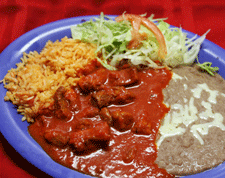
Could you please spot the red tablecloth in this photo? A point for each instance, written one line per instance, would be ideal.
(19, 16)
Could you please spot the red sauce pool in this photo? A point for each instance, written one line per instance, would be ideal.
(126, 153)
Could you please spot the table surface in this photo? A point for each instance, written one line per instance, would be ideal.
(20, 16)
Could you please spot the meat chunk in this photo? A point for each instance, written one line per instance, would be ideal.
(125, 77)
(89, 112)
(73, 97)
(122, 121)
(103, 98)
(66, 101)
(106, 116)
(91, 67)
(89, 139)
(57, 138)
(61, 104)
(82, 124)
(112, 95)
(142, 126)
(129, 154)
(93, 81)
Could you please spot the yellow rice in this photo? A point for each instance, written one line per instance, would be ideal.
(39, 75)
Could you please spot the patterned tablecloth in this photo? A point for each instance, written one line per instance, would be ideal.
(19, 16)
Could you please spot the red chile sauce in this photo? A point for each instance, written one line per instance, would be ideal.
(108, 124)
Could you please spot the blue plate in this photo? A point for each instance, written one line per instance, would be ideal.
(16, 132)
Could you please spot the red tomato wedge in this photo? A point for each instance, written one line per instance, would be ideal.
(136, 22)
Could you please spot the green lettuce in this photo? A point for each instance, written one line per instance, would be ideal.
(112, 37)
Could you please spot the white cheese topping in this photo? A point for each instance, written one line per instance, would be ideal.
(203, 129)
(181, 116)
(185, 86)
(176, 77)
(200, 87)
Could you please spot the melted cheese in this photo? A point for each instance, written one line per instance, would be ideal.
(200, 87)
(176, 77)
(181, 116)
(203, 129)
(185, 86)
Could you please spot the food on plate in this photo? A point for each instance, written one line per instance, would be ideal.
(113, 38)
(192, 135)
(102, 101)
(135, 42)
(97, 126)
(32, 84)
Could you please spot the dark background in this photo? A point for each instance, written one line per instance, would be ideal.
(20, 16)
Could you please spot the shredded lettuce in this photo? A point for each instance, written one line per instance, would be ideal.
(112, 37)
(207, 67)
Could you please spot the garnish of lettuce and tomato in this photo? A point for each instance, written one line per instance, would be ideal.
(140, 40)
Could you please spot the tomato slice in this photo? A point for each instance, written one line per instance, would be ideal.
(136, 22)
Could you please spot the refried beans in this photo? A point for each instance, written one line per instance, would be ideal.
(198, 142)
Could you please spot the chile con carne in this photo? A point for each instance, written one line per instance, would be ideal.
(107, 125)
